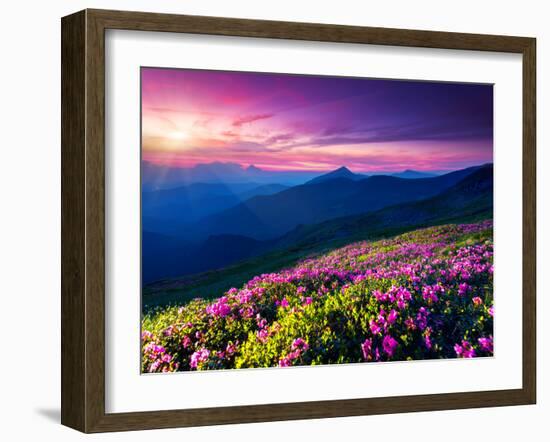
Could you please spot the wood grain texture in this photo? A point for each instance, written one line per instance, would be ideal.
(144, 21)
(83, 220)
(73, 257)
(95, 221)
(529, 221)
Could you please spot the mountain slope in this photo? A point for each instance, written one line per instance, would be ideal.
(163, 255)
(167, 257)
(265, 217)
(166, 210)
(470, 200)
(470, 197)
(266, 189)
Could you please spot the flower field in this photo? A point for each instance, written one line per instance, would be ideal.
(425, 294)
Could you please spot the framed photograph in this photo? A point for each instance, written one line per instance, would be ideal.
(266, 221)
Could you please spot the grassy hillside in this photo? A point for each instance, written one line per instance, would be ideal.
(421, 295)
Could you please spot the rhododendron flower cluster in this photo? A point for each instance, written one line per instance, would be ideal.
(425, 294)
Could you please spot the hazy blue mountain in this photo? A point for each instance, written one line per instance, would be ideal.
(267, 217)
(156, 176)
(413, 174)
(469, 198)
(266, 189)
(167, 256)
(163, 255)
(195, 191)
(166, 210)
(342, 172)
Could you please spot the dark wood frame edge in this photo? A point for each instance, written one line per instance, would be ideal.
(83, 215)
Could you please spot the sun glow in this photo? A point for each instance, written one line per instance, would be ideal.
(178, 135)
(283, 122)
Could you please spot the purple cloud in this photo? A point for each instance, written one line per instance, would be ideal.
(250, 119)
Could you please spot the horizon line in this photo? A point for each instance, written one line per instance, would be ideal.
(245, 166)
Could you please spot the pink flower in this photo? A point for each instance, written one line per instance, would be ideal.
(186, 341)
(463, 288)
(486, 343)
(380, 297)
(374, 328)
(154, 350)
(154, 366)
(231, 348)
(429, 293)
(300, 290)
(381, 318)
(246, 312)
(260, 322)
(409, 322)
(458, 349)
(199, 356)
(392, 317)
(366, 348)
(220, 308)
(464, 350)
(389, 345)
(491, 311)
(422, 318)
(284, 362)
(404, 294)
(244, 296)
(300, 344)
(477, 301)
(428, 342)
(308, 300)
(294, 354)
(262, 335)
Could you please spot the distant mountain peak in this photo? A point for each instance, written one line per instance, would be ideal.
(253, 168)
(342, 169)
(410, 173)
(341, 172)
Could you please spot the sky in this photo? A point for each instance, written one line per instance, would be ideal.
(313, 123)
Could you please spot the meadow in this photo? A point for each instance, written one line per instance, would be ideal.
(425, 294)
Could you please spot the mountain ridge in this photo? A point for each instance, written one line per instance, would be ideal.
(159, 176)
(469, 200)
(267, 217)
(413, 174)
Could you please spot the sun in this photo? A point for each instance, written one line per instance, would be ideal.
(177, 135)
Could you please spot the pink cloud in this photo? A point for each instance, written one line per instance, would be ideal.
(310, 123)
(250, 119)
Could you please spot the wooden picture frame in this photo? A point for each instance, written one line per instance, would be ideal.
(83, 220)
